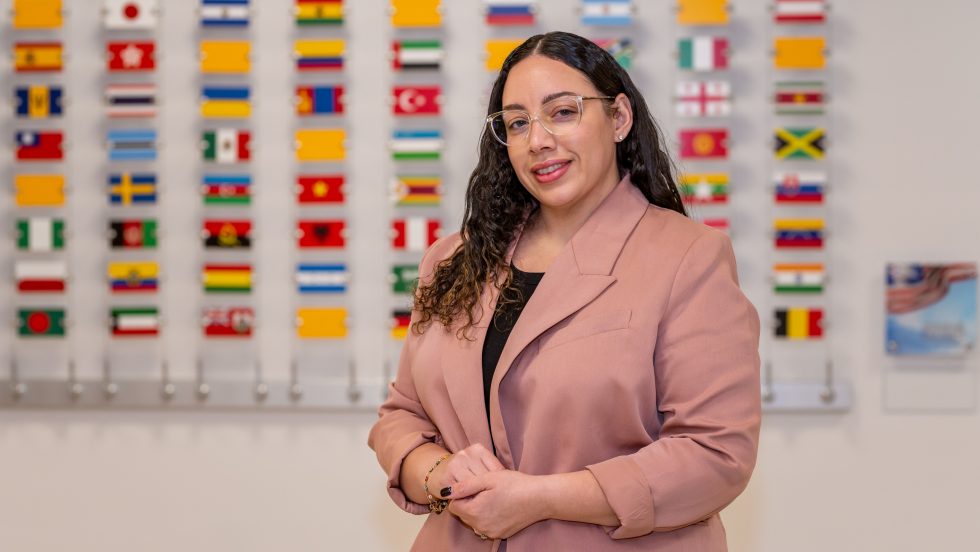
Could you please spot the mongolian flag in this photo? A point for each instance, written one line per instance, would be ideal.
(321, 233)
(320, 145)
(416, 54)
(37, 56)
(416, 100)
(798, 323)
(416, 191)
(128, 15)
(319, 100)
(416, 13)
(404, 278)
(227, 321)
(510, 12)
(37, 14)
(414, 233)
(321, 323)
(704, 99)
(132, 144)
(607, 12)
(227, 278)
(799, 143)
(323, 188)
(133, 234)
(799, 98)
(44, 145)
(799, 233)
(703, 53)
(319, 12)
(131, 100)
(41, 322)
(799, 52)
(225, 102)
(620, 49)
(130, 55)
(319, 54)
(227, 234)
(497, 50)
(704, 188)
(224, 13)
(134, 321)
(227, 189)
(40, 234)
(702, 12)
(800, 11)
(133, 276)
(39, 190)
(322, 278)
(226, 56)
(400, 321)
(40, 276)
(226, 145)
(798, 278)
(416, 145)
(132, 189)
(799, 187)
(704, 143)
(39, 101)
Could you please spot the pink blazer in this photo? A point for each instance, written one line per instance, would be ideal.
(636, 358)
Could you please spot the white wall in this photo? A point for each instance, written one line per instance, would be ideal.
(875, 478)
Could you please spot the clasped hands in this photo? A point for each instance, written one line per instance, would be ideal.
(493, 501)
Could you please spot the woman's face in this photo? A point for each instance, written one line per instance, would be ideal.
(575, 168)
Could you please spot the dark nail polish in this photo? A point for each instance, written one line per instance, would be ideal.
(446, 491)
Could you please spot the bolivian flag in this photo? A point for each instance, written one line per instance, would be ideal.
(227, 278)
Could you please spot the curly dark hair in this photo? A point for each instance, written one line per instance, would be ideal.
(497, 204)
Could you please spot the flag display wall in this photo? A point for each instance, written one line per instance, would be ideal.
(241, 191)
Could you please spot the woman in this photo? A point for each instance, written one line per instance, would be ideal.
(617, 407)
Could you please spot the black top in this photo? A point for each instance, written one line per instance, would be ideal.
(504, 319)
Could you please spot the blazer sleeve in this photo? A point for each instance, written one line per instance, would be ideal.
(402, 423)
(706, 365)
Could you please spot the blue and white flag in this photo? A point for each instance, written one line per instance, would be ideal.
(321, 278)
(132, 145)
(224, 13)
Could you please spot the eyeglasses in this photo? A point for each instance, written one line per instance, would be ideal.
(559, 116)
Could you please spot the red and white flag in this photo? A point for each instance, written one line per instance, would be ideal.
(416, 100)
(131, 55)
(414, 233)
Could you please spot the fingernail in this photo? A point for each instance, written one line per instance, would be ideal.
(446, 491)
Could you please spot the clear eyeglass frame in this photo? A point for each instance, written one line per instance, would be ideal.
(497, 125)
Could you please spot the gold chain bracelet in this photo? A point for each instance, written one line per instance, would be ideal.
(436, 505)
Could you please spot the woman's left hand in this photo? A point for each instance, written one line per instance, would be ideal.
(498, 504)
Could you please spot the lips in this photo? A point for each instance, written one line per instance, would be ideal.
(550, 171)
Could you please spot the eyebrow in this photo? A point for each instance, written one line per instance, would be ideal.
(545, 100)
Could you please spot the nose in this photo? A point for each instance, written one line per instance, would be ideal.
(538, 137)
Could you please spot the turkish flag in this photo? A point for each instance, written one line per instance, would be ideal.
(131, 56)
(417, 100)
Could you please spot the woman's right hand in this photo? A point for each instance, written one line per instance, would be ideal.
(472, 460)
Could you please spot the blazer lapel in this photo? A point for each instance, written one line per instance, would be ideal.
(580, 272)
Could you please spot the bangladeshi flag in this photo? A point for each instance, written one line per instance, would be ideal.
(320, 233)
(40, 322)
(704, 143)
(323, 188)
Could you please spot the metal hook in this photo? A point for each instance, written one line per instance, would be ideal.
(109, 388)
(295, 389)
(74, 387)
(168, 390)
(17, 388)
(768, 395)
(261, 388)
(203, 389)
(828, 393)
(353, 393)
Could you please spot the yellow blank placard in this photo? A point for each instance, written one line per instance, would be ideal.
(498, 50)
(416, 13)
(39, 190)
(321, 323)
(805, 52)
(702, 12)
(320, 144)
(37, 14)
(225, 56)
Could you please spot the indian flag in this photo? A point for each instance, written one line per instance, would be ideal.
(798, 278)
